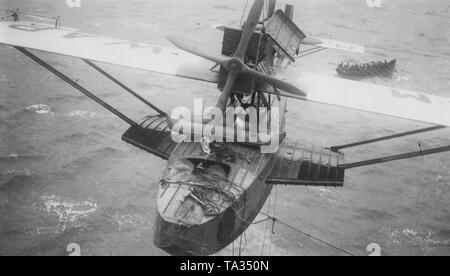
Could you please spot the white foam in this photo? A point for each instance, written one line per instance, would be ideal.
(39, 109)
(84, 114)
(68, 212)
(17, 172)
(401, 77)
(130, 221)
(420, 238)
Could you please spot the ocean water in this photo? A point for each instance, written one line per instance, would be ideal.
(66, 177)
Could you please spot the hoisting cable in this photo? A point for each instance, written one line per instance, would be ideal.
(273, 222)
(267, 223)
(232, 249)
(308, 235)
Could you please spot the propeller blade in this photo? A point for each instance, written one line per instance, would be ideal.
(249, 28)
(311, 41)
(190, 47)
(227, 90)
(282, 85)
(271, 8)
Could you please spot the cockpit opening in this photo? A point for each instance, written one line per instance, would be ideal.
(196, 170)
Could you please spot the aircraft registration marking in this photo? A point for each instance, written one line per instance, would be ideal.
(76, 35)
(420, 97)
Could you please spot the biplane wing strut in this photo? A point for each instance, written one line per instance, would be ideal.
(75, 85)
(152, 134)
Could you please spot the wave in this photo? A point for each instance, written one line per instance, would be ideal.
(95, 160)
(85, 114)
(3, 78)
(373, 215)
(128, 218)
(67, 212)
(341, 26)
(86, 138)
(224, 7)
(17, 184)
(74, 99)
(18, 157)
(32, 110)
(16, 172)
(39, 109)
(421, 238)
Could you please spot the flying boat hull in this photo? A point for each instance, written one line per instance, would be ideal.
(183, 226)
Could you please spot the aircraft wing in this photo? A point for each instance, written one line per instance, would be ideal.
(334, 44)
(70, 42)
(377, 99)
(327, 43)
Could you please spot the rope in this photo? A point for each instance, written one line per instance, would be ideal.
(261, 221)
(273, 222)
(240, 246)
(309, 235)
(276, 200)
(12, 12)
(265, 229)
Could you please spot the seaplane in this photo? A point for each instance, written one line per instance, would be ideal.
(212, 190)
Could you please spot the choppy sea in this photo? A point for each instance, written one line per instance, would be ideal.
(66, 177)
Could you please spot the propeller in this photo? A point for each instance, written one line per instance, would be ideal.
(271, 8)
(235, 65)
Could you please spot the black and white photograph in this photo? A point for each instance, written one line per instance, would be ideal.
(224, 128)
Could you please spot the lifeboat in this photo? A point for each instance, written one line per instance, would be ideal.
(369, 69)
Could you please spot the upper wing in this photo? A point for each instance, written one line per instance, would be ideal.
(377, 99)
(73, 43)
(319, 42)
